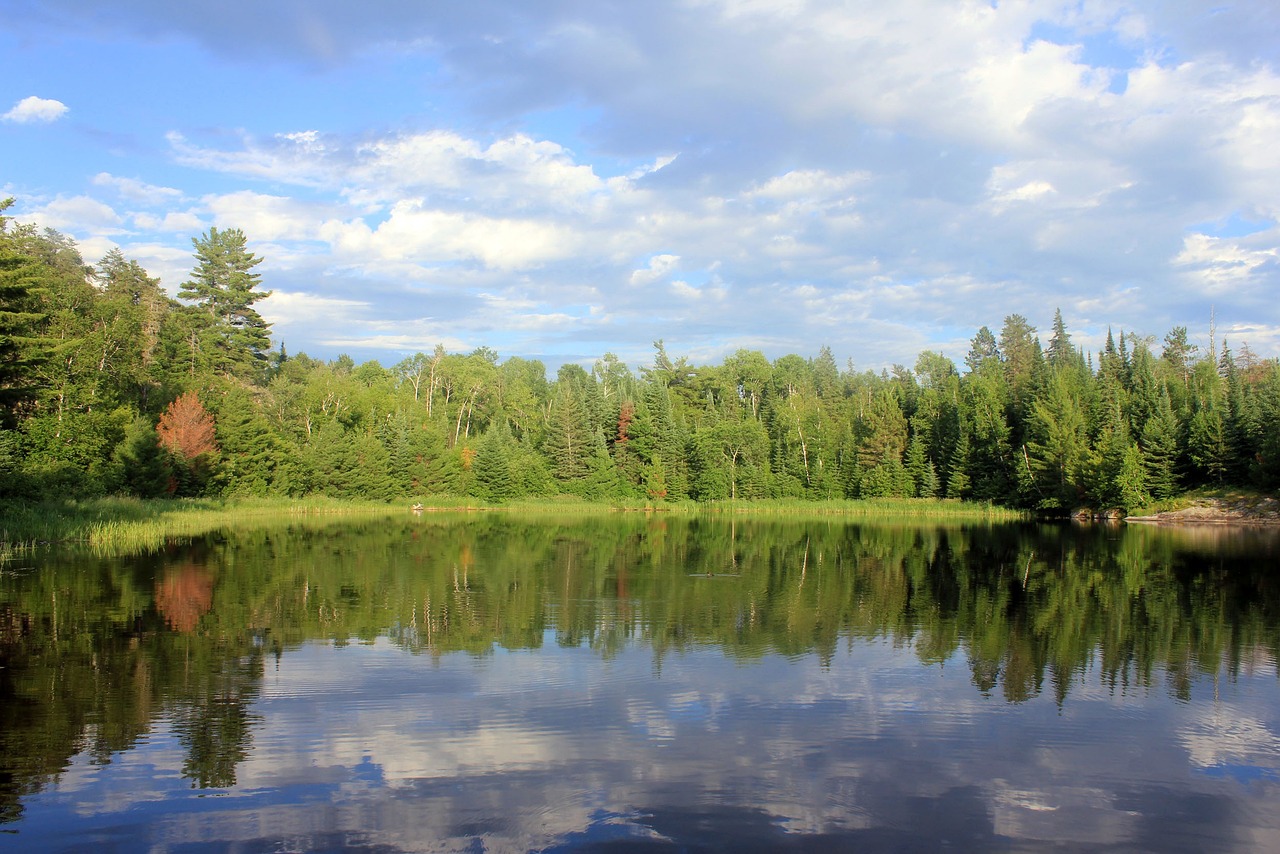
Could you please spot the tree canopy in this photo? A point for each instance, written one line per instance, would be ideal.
(100, 371)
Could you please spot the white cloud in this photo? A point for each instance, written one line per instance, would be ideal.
(1222, 265)
(266, 217)
(32, 109)
(837, 165)
(659, 267)
(78, 214)
(173, 222)
(413, 232)
(137, 191)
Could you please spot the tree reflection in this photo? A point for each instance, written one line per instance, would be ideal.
(95, 651)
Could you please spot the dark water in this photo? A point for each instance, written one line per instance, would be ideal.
(631, 683)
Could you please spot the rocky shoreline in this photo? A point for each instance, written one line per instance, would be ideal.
(1254, 510)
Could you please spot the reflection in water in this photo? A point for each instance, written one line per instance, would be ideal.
(450, 684)
(183, 595)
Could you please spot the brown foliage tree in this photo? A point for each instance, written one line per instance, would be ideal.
(186, 428)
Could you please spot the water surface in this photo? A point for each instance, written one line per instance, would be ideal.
(464, 683)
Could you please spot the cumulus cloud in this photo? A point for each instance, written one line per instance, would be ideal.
(659, 267)
(133, 190)
(882, 177)
(77, 213)
(33, 110)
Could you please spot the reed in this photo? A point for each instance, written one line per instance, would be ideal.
(133, 525)
(871, 508)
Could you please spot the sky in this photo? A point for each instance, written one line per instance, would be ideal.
(562, 179)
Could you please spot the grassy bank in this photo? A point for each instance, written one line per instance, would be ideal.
(130, 524)
(127, 524)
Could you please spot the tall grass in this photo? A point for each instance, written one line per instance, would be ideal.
(132, 525)
(871, 508)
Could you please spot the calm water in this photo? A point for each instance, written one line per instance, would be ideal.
(490, 684)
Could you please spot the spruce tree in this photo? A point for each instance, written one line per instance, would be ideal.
(492, 465)
(1159, 444)
(144, 466)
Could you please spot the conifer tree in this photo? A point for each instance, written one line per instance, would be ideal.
(1159, 444)
(144, 467)
(492, 464)
(1060, 352)
(224, 287)
(23, 349)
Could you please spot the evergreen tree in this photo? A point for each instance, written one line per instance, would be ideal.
(23, 349)
(1060, 353)
(1057, 446)
(990, 459)
(1023, 364)
(492, 464)
(603, 480)
(958, 478)
(1129, 486)
(984, 353)
(880, 450)
(1243, 426)
(568, 437)
(669, 441)
(255, 460)
(1207, 447)
(919, 469)
(224, 287)
(144, 466)
(1159, 444)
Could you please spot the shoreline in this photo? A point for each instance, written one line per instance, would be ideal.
(1252, 512)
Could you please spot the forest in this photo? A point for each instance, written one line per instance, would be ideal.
(109, 386)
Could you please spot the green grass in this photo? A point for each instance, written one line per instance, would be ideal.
(872, 508)
(133, 525)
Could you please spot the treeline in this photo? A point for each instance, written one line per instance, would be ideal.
(107, 385)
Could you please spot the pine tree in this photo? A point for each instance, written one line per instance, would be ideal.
(1207, 443)
(1057, 446)
(223, 286)
(23, 349)
(919, 468)
(568, 437)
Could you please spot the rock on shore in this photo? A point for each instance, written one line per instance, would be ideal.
(1246, 510)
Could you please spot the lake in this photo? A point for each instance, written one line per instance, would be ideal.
(631, 682)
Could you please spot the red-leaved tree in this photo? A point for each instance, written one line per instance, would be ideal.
(186, 430)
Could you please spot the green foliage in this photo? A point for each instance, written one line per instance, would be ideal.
(224, 288)
(23, 349)
(1023, 426)
(145, 467)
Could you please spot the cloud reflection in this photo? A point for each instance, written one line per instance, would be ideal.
(556, 749)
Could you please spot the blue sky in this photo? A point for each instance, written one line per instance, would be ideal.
(573, 177)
